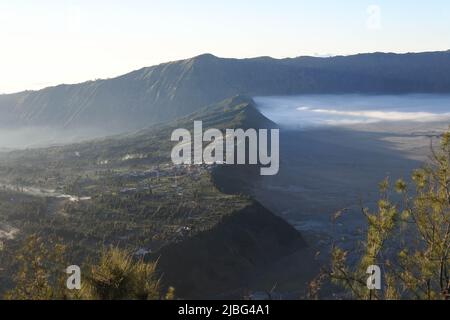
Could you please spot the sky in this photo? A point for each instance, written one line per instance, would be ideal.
(45, 43)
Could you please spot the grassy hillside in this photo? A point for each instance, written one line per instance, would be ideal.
(124, 191)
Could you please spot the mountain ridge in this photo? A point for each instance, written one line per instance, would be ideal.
(210, 55)
(171, 90)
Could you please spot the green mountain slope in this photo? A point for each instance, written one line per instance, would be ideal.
(124, 191)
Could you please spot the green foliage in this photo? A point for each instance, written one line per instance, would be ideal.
(40, 271)
(410, 238)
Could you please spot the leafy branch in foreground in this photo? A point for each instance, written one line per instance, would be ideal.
(409, 238)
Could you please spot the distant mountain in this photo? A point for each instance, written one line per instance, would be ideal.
(170, 90)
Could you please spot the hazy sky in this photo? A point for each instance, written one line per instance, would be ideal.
(48, 42)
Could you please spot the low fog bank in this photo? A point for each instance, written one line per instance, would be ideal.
(35, 137)
(312, 111)
(404, 124)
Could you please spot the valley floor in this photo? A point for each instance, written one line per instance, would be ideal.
(324, 171)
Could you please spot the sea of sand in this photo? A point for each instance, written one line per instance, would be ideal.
(328, 168)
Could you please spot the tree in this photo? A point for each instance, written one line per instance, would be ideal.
(409, 238)
(40, 270)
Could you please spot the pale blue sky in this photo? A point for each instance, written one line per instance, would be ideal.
(50, 42)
